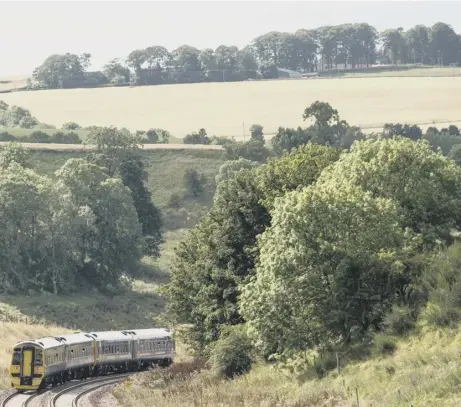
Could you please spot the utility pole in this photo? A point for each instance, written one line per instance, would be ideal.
(243, 129)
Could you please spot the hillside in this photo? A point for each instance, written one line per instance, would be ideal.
(423, 371)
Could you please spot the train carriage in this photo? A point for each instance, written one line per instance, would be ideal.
(152, 346)
(113, 351)
(79, 353)
(37, 363)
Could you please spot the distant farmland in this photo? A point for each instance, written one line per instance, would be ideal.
(12, 82)
(228, 109)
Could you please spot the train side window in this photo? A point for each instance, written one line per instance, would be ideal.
(38, 357)
(16, 358)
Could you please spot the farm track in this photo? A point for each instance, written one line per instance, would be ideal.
(65, 397)
(83, 147)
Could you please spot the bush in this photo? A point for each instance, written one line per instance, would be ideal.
(231, 355)
(65, 138)
(28, 122)
(71, 126)
(252, 150)
(399, 321)
(325, 364)
(5, 136)
(175, 200)
(221, 140)
(197, 138)
(384, 345)
(38, 137)
(442, 315)
(193, 181)
(256, 131)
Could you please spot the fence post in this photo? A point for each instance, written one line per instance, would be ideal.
(357, 396)
(337, 363)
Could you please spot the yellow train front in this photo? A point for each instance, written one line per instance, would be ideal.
(33, 362)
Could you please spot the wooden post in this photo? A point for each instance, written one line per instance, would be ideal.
(357, 396)
(337, 363)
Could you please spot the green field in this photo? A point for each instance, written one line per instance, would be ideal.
(228, 109)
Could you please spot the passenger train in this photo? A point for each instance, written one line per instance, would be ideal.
(49, 361)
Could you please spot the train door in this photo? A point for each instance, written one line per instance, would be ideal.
(27, 365)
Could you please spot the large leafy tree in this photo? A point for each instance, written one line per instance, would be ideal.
(426, 185)
(326, 257)
(114, 245)
(216, 257)
(59, 71)
(117, 150)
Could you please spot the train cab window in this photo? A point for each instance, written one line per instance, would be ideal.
(38, 357)
(16, 358)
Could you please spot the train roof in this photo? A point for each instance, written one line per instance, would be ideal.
(149, 333)
(47, 342)
(74, 338)
(110, 336)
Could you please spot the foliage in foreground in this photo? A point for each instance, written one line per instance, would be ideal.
(221, 252)
(341, 243)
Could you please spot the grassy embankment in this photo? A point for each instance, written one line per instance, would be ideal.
(134, 305)
(423, 371)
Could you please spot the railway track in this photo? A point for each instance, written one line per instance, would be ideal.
(67, 397)
(16, 400)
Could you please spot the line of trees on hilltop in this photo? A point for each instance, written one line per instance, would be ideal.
(321, 49)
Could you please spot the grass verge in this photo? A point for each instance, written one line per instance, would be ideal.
(423, 371)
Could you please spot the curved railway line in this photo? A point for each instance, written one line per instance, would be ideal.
(67, 397)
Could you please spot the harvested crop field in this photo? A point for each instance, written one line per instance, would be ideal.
(226, 109)
(12, 82)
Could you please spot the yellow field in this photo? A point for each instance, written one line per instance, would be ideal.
(222, 108)
(12, 82)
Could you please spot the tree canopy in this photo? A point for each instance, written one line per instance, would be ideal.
(346, 46)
